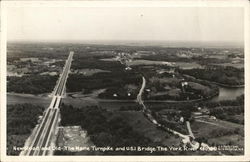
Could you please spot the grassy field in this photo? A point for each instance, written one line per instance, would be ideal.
(235, 140)
(89, 72)
(220, 133)
(206, 128)
(188, 65)
(229, 140)
(236, 65)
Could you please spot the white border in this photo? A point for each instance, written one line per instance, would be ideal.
(198, 3)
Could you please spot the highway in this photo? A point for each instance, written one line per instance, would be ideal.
(42, 138)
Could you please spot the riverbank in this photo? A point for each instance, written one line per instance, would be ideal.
(12, 96)
(228, 86)
(28, 95)
(222, 94)
(18, 98)
(216, 83)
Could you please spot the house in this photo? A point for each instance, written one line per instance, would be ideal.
(181, 119)
(128, 68)
(213, 117)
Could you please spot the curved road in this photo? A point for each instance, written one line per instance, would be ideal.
(148, 114)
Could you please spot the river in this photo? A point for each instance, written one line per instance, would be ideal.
(224, 94)
(228, 93)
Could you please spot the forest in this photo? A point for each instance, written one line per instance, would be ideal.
(229, 110)
(31, 84)
(104, 128)
(78, 82)
(223, 75)
(21, 119)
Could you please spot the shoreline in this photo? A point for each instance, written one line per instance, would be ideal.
(228, 86)
(28, 94)
(157, 101)
(120, 101)
(47, 95)
(216, 83)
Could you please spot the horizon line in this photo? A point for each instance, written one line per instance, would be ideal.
(132, 42)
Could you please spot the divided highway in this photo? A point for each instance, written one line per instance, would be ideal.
(42, 139)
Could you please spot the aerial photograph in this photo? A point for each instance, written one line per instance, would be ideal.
(124, 81)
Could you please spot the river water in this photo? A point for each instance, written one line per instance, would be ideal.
(224, 94)
(228, 93)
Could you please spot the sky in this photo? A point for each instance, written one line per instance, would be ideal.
(146, 24)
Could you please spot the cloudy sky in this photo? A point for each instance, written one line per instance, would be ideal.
(154, 24)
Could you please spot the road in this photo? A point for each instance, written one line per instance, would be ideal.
(189, 130)
(45, 130)
(139, 96)
(148, 114)
(202, 121)
(185, 138)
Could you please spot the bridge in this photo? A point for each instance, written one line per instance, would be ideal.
(40, 142)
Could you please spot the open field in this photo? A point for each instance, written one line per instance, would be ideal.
(236, 65)
(89, 72)
(188, 65)
(220, 133)
(205, 129)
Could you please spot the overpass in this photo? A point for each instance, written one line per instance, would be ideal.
(40, 141)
